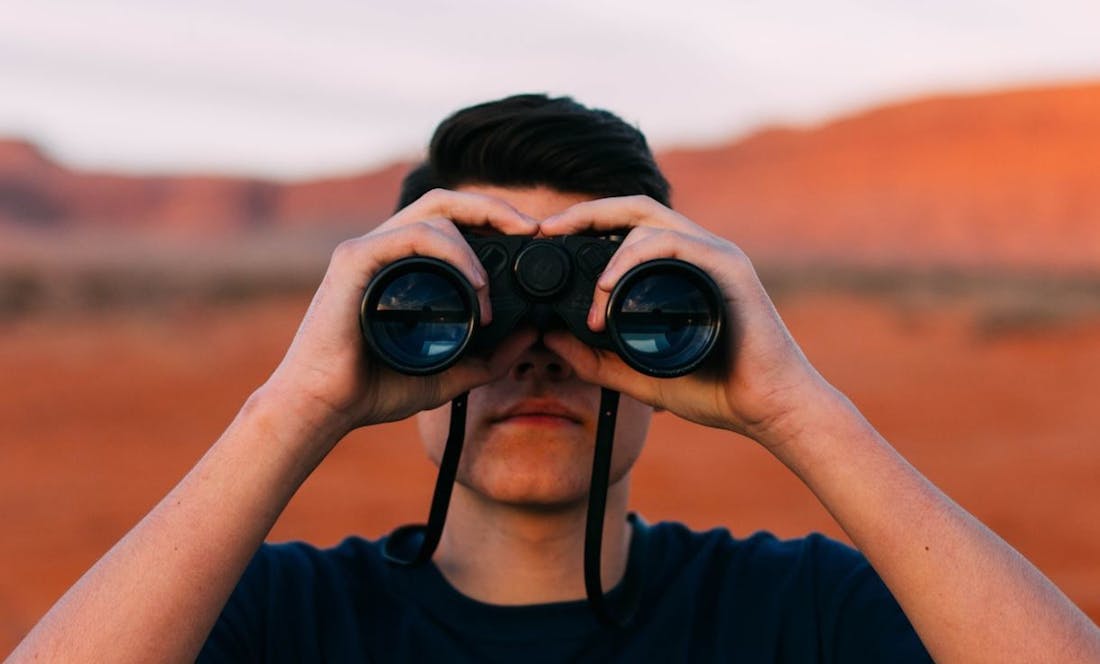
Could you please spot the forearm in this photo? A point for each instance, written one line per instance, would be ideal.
(970, 596)
(155, 595)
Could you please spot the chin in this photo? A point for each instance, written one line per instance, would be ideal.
(534, 464)
(531, 494)
(536, 475)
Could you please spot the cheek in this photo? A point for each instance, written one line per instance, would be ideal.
(631, 429)
(434, 425)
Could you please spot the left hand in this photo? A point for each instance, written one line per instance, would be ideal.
(763, 380)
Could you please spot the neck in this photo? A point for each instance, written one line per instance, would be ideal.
(510, 555)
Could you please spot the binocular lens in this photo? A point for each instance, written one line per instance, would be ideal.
(420, 318)
(666, 318)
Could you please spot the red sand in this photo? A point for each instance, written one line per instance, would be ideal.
(98, 418)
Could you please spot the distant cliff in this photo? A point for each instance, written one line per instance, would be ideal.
(37, 192)
(1009, 179)
(999, 180)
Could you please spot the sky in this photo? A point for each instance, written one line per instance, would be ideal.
(303, 89)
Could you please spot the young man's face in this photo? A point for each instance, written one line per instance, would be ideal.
(530, 435)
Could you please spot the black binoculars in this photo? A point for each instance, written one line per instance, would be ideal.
(419, 315)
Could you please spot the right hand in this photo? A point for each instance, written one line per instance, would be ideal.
(330, 380)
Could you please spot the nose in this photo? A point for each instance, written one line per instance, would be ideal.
(539, 363)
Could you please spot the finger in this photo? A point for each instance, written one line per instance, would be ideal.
(652, 246)
(600, 296)
(446, 227)
(473, 371)
(358, 260)
(610, 214)
(601, 367)
(467, 209)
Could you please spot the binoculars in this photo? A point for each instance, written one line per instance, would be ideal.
(420, 315)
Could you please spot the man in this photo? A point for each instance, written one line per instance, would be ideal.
(507, 582)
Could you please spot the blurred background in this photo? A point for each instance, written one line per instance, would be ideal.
(918, 184)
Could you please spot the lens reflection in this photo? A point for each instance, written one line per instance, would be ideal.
(421, 319)
(665, 321)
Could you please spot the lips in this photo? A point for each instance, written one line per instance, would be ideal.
(538, 408)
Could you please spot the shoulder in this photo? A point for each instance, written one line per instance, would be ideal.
(302, 559)
(298, 572)
(760, 553)
(811, 590)
(292, 595)
(309, 559)
(813, 568)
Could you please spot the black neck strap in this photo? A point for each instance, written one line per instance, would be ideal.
(399, 543)
(593, 530)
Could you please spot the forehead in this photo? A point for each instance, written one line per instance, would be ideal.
(537, 202)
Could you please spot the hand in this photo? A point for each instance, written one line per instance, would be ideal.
(761, 377)
(329, 378)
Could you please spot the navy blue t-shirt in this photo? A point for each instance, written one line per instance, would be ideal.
(703, 597)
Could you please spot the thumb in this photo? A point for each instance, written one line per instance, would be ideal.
(471, 372)
(600, 367)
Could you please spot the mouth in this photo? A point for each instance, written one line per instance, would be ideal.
(538, 420)
(538, 412)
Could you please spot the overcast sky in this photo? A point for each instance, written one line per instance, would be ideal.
(296, 89)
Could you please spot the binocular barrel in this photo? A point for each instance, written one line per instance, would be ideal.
(419, 315)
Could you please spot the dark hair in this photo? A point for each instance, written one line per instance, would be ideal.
(532, 139)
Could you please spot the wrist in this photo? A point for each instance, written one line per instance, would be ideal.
(809, 409)
(297, 424)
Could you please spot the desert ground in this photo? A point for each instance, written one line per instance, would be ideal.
(938, 259)
(100, 414)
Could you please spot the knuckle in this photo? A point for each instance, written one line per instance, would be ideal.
(429, 232)
(644, 204)
(659, 238)
(742, 259)
(423, 227)
(439, 224)
(632, 252)
(435, 196)
(740, 263)
(345, 251)
(621, 257)
(636, 235)
(733, 251)
(663, 235)
(437, 192)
